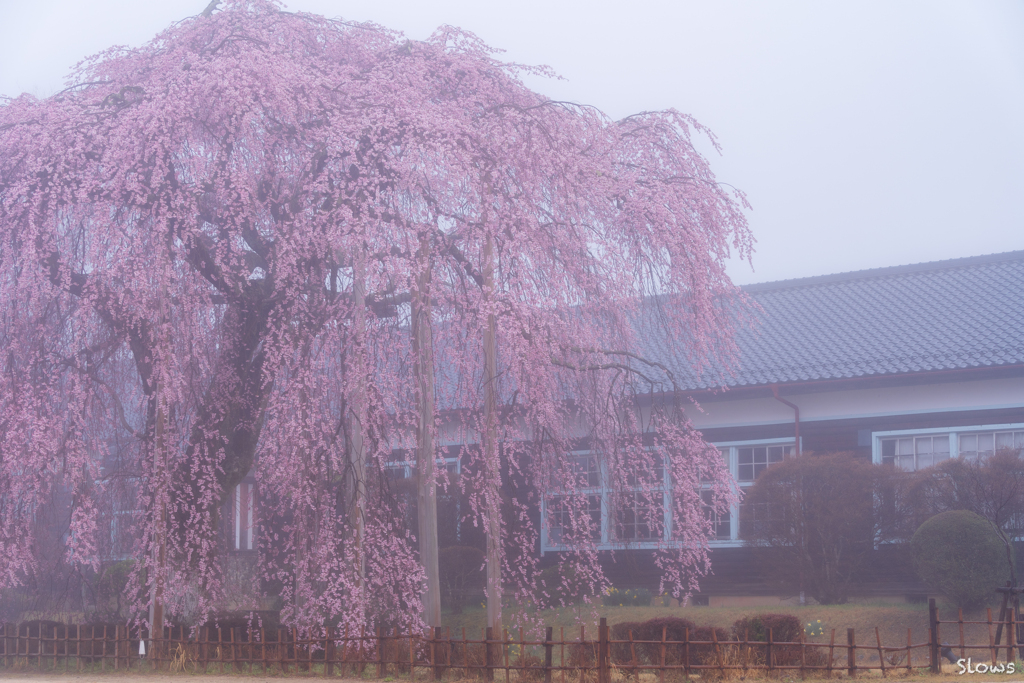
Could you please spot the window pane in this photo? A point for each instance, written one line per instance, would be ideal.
(587, 471)
(722, 524)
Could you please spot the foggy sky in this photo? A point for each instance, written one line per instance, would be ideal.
(864, 133)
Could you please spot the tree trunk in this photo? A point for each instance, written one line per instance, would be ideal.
(156, 603)
(491, 456)
(423, 369)
(356, 483)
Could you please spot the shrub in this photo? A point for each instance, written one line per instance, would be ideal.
(647, 641)
(630, 597)
(621, 652)
(960, 554)
(785, 627)
(813, 513)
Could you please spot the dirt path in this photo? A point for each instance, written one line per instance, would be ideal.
(116, 677)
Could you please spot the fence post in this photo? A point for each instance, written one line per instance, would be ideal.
(851, 653)
(718, 653)
(881, 653)
(381, 664)
(548, 646)
(831, 653)
(661, 661)
(329, 653)
(602, 652)
(933, 636)
(686, 651)
(433, 653)
(1011, 637)
(488, 658)
(768, 658)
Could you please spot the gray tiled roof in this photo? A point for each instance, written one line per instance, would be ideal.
(943, 315)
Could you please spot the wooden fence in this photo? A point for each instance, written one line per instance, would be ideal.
(432, 654)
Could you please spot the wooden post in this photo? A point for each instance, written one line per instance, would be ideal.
(933, 637)
(1002, 612)
(803, 654)
(329, 653)
(851, 653)
(746, 650)
(381, 664)
(881, 654)
(910, 669)
(488, 654)
(718, 653)
(603, 675)
(686, 650)
(505, 643)
(433, 653)
(522, 652)
(768, 654)
(661, 668)
(1011, 637)
(548, 646)
(282, 651)
(991, 639)
(831, 652)
(960, 623)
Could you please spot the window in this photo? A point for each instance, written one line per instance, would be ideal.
(636, 515)
(915, 453)
(915, 449)
(406, 469)
(754, 460)
(587, 470)
(721, 523)
(641, 517)
(562, 513)
(243, 508)
(747, 461)
(985, 445)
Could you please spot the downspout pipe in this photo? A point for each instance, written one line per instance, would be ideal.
(796, 432)
(796, 415)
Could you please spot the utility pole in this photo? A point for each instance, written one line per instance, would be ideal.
(426, 486)
(491, 456)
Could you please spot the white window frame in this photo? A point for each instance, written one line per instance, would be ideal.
(409, 466)
(953, 433)
(733, 460)
(607, 542)
(244, 541)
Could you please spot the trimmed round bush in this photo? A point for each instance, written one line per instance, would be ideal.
(785, 628)
(960, 554)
